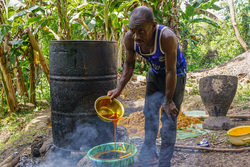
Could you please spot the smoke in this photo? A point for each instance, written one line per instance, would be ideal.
(84, 137)
(61, 158)
(78, 144)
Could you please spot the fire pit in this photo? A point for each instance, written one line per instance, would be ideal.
(217, 93)
(106, 155)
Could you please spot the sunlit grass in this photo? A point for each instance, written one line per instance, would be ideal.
(242, 94)
(13, 126)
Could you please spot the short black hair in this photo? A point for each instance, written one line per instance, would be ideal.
(143, 13)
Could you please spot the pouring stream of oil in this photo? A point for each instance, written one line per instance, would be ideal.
(114, 117)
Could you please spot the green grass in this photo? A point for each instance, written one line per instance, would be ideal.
(242, 94)
(194, 86)
(14, 125)
(242, 97)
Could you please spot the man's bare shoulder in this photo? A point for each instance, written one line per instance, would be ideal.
(168, 33)
(168, 40)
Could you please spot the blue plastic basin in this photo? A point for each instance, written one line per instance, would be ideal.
(123, 162)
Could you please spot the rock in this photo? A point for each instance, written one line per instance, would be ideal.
(25, 161)
(85, 161)
(139, 78)
(30, 105)
(37, 144)
(189, 90)
(218, 123)
(43, 102)
(46, 146)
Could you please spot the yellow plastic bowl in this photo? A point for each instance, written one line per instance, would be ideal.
(239, 135)
(107, 109)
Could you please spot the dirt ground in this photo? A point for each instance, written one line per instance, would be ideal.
(240, 67)
(133, 100)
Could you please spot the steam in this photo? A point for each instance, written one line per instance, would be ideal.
(66, 157)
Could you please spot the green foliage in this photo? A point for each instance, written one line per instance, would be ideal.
(220, 41)
(141, 68)
(242, 94)
(194, 86)
(205, 20)
(214, 45)
(210, 42)
(3, 31)
(34, 9)
(43, 88)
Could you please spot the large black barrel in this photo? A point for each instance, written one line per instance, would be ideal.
(80, 72)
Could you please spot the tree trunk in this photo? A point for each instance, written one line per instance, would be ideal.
(19, 79)
(41, 56)
(106, 18)
(184, 47)
(7, 82)
(173, 18)
(63, 19)
(32, 87)
(5, 74)
(3, 5)
(236, 30)
(2, 93)
(121, 43)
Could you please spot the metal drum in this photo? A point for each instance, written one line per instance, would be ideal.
(80, 72)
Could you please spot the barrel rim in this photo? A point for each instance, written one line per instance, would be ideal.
(81, 41)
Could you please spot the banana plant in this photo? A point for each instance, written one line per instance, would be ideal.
(15, 20)
(196, 11)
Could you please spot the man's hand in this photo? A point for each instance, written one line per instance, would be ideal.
(114, 93)
(170, 108)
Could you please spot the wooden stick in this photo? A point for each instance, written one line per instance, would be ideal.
(211, 149)
(229, 116)
(125, 155)
(11, 160)
(214, 149)
(239, 116)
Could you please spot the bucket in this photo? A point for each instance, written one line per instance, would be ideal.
(239, 135)
(108, 110)
(121, 161)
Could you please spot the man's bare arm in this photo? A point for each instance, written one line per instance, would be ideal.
(128, 67)
(169, 46)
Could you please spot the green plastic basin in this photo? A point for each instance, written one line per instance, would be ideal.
(130, 150)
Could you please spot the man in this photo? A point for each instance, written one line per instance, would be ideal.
(165, 81)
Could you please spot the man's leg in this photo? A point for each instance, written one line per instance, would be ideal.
(153, 101)
(168, 130)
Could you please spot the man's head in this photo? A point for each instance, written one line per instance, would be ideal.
(142, 24)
